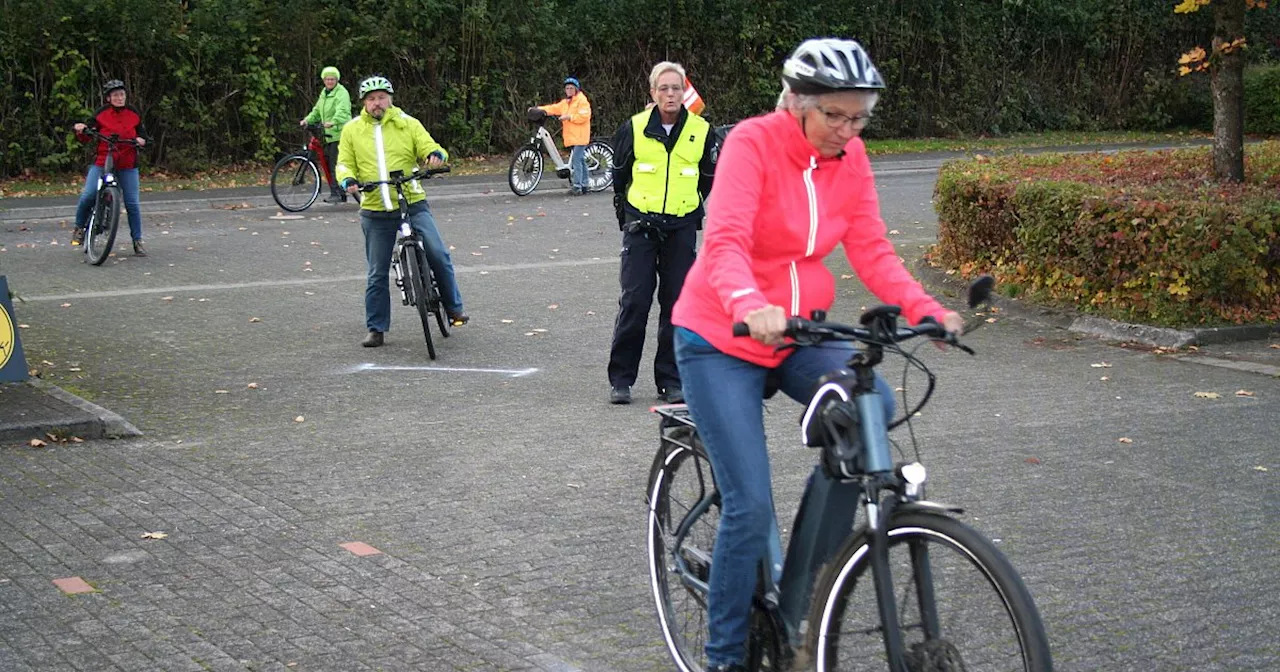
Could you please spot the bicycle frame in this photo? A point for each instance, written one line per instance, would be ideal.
(543, 137)
(315, 149)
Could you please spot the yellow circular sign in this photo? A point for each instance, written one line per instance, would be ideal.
(6, 336)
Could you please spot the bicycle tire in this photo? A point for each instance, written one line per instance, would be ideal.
(413, 275)
(965, 568)
(526, 170)
(435, 304)
(295, 182)
(681, 478)
(100, 234)
(599, 156)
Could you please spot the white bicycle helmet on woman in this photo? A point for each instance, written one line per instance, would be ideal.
(824, 65)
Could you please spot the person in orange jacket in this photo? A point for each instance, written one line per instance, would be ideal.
(575, 112)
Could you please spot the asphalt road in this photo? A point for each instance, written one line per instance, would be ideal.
(505, 494)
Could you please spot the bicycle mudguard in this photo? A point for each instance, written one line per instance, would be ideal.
(926, 506)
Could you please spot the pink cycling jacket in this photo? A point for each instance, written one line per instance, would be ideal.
(776, 210)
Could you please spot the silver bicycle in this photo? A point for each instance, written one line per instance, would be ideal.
(527, 163)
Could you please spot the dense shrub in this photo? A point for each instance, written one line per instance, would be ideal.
(1140, 236)
(1262, 100)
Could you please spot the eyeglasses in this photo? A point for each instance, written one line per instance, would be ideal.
(670, 88)
(837, 120)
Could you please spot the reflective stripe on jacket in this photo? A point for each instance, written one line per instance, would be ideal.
(371, 149)
(666, 182)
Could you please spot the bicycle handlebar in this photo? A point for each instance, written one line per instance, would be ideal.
(422, 174)
(809, 332)
(111, 139)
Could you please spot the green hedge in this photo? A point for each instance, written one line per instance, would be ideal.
(1138, 236)
(1262, 100)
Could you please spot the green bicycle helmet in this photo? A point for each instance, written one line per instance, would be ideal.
(375, 83)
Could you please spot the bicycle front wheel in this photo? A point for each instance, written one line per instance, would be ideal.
(411, 262)
(599, 165)
(961, 605)
(295, 182)
(101, 232)
(526, 170)
(684, 516)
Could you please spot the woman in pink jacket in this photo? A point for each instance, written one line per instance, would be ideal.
(789, 186)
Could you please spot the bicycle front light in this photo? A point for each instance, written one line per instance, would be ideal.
(913, 475)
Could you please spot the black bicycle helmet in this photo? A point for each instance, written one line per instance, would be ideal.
(830, 64)
(111, 85)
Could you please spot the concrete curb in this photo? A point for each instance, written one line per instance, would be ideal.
(105, 423)
(1110, 330)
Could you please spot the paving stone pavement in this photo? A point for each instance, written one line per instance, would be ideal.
(508, 509)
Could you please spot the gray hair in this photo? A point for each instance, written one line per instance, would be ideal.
(663, 68)
(803, 102)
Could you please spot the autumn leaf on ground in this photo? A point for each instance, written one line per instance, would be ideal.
(253, 386)
(1207, 395)
(166, 298)
(1032, 460)
(1125, 439)
(66, 305)
(1260, 468)
(153, 535)
(37, 443)
(553, 306)
(1100, 365)
(1243, 393)
(1274, 346)
(508, 321)
(299, 419)
(255, 319)
(846, 276)
(222, 392)
(540, 331)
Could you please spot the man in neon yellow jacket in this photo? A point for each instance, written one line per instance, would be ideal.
(384, 139)
(333, 110)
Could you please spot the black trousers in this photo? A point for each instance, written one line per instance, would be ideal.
(331, 155)
(647, 265)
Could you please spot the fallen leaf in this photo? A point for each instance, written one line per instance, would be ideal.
(990, 320)
(76, 368)
(1125, 439)
(24, 326)
(1260, 468)
(591, 312)
(846, 276)
(253, 386)
(66, 305)
(894, 232)
(1101, 365)
(1208, 395)
(221, 392)
(1239, 393)
(477, 254)
(540, 331)
(1032, 460)
(255, 319)
(299, 419)
(37, 443)
(76, 439)
(1274, 346)
(553, 306)
(508, 321)
(1105, 378)
(154, 535)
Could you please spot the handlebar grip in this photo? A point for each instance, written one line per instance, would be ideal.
(741, 329)
(437, 171)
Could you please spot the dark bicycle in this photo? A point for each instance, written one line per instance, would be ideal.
(295, 181)
(104, 219)
(911, 589)
(417, 282)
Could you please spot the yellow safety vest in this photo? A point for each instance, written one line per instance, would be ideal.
(666, 183)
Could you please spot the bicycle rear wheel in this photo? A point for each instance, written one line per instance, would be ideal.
(295, 182)
(100, 234)
(526, 170)
(413, 272)
(599, 165)
(435, 305)
(680, 567)
(961, 605)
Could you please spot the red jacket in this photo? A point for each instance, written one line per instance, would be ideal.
(124, 121)
(776, 210)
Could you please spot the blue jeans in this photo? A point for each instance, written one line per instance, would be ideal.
(128, 180)
(578, 167)
(380, 240)
(724, 395)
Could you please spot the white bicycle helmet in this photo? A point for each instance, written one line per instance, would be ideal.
(830, 64)
(375, 83)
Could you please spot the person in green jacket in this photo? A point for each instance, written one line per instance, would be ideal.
(333, 110)
(381, 140)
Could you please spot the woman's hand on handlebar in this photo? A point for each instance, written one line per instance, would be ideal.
(78, 127)
(767, 324)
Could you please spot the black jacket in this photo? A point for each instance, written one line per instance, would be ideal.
(624, 156)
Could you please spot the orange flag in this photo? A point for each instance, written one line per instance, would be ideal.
(692, 100)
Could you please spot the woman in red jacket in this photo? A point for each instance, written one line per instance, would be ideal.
(789, 186)
(116, 117)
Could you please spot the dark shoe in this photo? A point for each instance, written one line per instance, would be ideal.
(620, 394)
(458, 319)
(335, 198)
(373, 340)
(672, 395)
(77, 237)
(139, 250)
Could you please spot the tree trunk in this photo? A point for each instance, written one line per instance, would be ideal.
(1228, 92)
